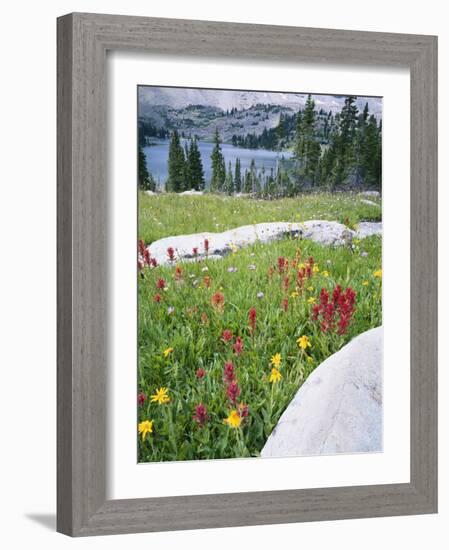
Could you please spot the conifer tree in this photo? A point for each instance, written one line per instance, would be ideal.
(195, 171)
(176, 165)
(248, 188)
(307, 146)
(146, 180)
(237, 176)
(218, 165)
(371, 157)
(229, 181)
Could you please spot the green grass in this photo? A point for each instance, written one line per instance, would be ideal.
(169, 214)
(193, 328)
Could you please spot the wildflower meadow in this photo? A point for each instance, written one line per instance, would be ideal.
(225, 344)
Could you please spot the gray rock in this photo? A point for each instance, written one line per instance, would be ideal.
(220, 244)
(339, 407)
(371, 203)
(366, 229)
(371, 193)
(191, 192)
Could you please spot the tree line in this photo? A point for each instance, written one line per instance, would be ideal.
(328, 152)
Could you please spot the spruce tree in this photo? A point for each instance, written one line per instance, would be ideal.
(146, 180)
(229, 181)
(218, 165)
(345, 142)
(371, 156)
(247, 188)
(237, 176)
(196, 172)
(307, 146)
(176, 165)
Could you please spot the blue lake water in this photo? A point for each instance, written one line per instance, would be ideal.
(157, 157)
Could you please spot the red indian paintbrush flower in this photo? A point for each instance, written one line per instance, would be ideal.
(243, 410)
(228, 372)
(171, 253)
(153, 262)
(141, 247)
(178, 273)
(238, 346)
(160, 284)
(233, 391)
(141, 398)
(335, 312)
(200, 373)
(195, 251)
(206, 246)
(200, 416)
(226, 336)
(281, 264)
(285, 304)
(252, 314)
(286, 283)
(218, 300)
(157, 298)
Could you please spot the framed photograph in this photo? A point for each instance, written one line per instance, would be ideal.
(247, 274)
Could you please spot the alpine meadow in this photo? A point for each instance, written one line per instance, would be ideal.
(259, 272)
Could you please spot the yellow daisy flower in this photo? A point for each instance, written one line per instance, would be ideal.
(276, 360)
(161, 396)
(304, 342)
(316, 269)
(145, 427)
(234, 420)
(325, 273)
(167, 352)
(378, 273)
(365, 283)
(311, 300)
(275, 376)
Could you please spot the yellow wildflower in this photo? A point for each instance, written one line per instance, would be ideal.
(378, 273)
(309, 359)
(161, 396)
(365, 283)
(167, 352)
(316, 269)
(310, 288)
(145, 427)
(294, 294)
(234, 420)
(311, 300)
(276, 360)
(304, 342)
(275, 375)
(325, 273)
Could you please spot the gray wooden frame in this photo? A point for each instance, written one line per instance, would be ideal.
(83, 40)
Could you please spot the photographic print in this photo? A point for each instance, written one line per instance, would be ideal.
(259, 268)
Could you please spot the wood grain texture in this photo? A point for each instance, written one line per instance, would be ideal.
(83, 40)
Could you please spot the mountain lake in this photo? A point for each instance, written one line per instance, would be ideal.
(156, 156)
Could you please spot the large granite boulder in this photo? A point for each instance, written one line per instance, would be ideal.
(339, 407)
(366, 229)
(220, 244)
